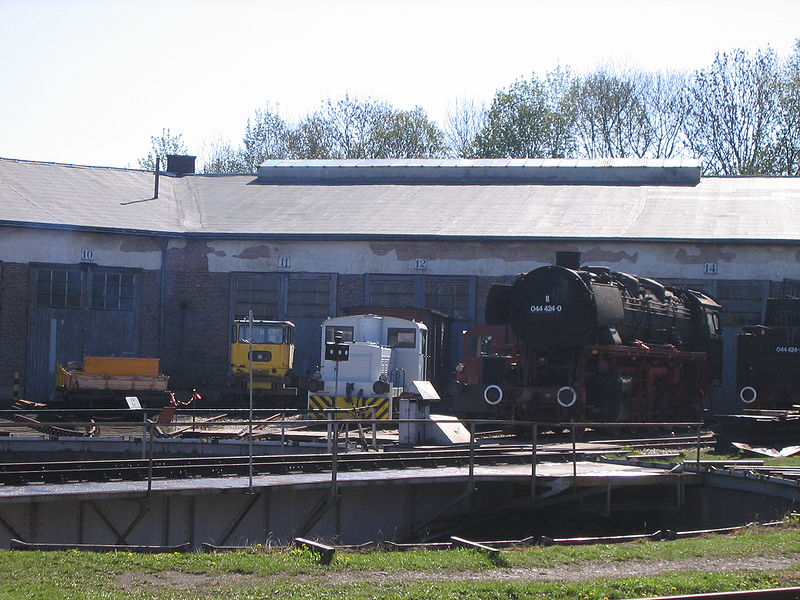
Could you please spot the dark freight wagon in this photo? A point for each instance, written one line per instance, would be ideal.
(768, 358)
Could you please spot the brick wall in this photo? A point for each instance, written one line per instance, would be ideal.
(14, 278)
(350, 291)
(196, 320)
(149, 315)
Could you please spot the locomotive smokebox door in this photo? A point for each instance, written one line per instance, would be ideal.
(552, 308)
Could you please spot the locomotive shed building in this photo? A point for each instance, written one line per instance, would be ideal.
(92, 263)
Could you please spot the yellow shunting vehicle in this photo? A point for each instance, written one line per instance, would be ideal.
(272, 345)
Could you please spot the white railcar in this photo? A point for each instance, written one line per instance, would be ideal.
(385, 356)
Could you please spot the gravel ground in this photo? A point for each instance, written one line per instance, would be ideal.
(577, 572)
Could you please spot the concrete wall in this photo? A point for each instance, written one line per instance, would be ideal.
(667, 260)
(68, 247)
(369, 510)
(226, 517)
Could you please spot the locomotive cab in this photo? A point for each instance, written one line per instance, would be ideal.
(272, 344)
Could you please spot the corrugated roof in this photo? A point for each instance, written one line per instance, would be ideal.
(734, 209)
(58, 194)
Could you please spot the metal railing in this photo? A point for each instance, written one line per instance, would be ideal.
(334, 427)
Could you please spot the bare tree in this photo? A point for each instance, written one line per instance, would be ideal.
(222, 157)
(610, 116)
(463, 122)
(351, 123)
(663, 96)
(732, 112)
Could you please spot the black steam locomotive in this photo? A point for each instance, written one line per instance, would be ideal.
(768, 358)
(591, 344)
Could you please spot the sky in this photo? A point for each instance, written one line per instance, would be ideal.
(90, 81)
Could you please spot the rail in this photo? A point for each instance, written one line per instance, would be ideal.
(472, 453)
(792, 593)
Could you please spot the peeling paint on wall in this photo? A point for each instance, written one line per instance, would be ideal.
(509, 252)
(254, 252)
(71, 247)
(709, 253)
(600, 255)
(193, 257)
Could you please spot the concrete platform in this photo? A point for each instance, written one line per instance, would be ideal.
(588, 474)
(356, 507)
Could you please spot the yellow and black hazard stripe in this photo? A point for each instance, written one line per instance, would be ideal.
(359, 406)
(317, 402)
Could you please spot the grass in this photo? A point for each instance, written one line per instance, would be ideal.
(463, 574)
(706, 454)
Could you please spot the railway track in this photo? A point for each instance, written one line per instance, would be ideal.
(792, 593)
(168, 468)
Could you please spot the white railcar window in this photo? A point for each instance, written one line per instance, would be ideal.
(401, 338)
(347, 333)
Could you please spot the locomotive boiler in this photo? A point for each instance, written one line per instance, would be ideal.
(591, 344)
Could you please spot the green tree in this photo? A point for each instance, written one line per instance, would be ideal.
(527, 120)
(160, 147)
(311, 139)
(405, 134)
(784, 156)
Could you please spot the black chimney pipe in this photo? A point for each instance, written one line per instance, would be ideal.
(180, 164)
(158, 168)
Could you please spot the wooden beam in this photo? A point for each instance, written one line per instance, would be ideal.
(457, 541)
(325, 552)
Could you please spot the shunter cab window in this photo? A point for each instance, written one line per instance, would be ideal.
(481, 345)
(401, 338)
(347, 333)
(713, 323)
(262, 334)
